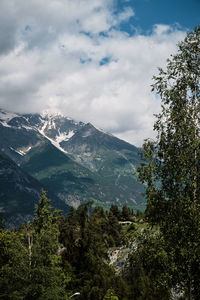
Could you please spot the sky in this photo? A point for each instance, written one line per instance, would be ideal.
(92, 60)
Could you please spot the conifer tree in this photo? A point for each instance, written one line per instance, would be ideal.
(126, 214)
(47, 277)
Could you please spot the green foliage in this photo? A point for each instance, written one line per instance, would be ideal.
(126, 213)
(45, 215)
(171, 163)
(150, 268)
(56, 256)
(110, 295)
(14, 265)
(114, 210)
(87, 238)
(30, 265)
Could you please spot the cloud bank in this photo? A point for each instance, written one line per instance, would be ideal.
(71, 56)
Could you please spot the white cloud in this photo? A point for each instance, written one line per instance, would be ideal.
(49, 58)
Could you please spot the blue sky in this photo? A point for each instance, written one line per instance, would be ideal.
(150, 12)
(92, 60)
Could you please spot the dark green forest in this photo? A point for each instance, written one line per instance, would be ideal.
(57, 256)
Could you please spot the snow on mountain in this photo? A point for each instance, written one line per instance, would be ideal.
(50, 113)
(52, 125)
(99, 166)
(64, 137)
(6, 116)
(56, 128)
(54, 142)
(5, 124)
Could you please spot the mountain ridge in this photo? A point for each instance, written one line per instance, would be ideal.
(93, 166)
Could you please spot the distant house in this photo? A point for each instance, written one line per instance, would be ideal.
(125, 223)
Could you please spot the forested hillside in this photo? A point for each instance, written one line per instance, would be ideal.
(56, 256)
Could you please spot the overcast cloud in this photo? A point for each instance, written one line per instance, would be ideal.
(70, 55)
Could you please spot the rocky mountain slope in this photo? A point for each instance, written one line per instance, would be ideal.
(76, 161)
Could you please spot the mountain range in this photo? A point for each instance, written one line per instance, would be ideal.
(74, 161)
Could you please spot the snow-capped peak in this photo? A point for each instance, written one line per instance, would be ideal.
(53, 113)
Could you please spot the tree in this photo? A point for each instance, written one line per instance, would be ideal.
(149, 268)
(115, 211)
(86, 239)
(48, 280)
(14, 265)
(126, 214)
(114, 229)
(110, 295)
(171, 163)
(30, 267)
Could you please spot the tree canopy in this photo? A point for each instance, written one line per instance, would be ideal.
(171, 163)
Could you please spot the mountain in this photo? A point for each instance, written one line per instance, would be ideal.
(19, 193)
(71, 182)
(17, 137)
(76, 161)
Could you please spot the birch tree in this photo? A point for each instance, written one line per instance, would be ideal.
(171, 163)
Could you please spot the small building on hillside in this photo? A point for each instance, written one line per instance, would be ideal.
(125, 223)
